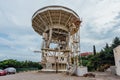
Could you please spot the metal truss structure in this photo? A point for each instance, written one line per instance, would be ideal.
(60, 28)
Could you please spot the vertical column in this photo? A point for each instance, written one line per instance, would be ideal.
(51, 65)
(50, 36)
(79, 56)
(60, 66)
(68, 53)
(68, 40)
(65, 66)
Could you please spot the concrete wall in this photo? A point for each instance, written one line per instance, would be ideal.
(117, 59)
(51, 63)
(51, 59)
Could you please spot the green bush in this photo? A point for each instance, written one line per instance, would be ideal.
(26, 69)
(20, 65)
(103, 59)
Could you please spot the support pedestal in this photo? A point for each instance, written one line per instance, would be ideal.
(81, 70)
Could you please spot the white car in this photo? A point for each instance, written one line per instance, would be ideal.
(10, 70)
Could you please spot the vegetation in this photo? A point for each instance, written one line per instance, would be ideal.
(20, 65)
(102, 60)
(94, 50)
(99, 61)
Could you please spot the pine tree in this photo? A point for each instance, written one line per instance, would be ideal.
(116, 42)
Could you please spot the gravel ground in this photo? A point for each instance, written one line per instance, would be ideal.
(34, 75)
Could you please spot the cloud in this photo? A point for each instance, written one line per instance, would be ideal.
(100, 24)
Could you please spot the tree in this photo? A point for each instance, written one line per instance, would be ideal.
(116, 42)
(102, 60)
(107, 55)
(94, 50)
(19, 64)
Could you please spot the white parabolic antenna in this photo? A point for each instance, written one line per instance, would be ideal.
(58, 25)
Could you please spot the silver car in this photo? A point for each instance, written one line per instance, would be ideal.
(10, 70)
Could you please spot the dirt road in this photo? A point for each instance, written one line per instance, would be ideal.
(34, 75)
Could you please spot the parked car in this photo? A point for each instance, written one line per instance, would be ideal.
(10, 70)
(2, 72)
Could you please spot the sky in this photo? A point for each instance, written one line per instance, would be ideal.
(18, 40)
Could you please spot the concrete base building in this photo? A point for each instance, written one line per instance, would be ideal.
(117, 59)
(53, 64)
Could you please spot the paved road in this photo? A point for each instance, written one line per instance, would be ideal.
(34, 75)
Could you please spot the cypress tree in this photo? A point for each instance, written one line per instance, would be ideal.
(94, 50)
